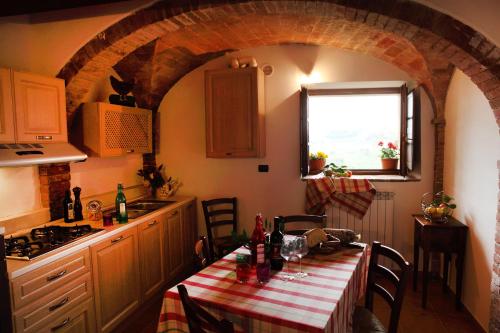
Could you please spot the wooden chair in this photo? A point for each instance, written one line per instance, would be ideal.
(364, 320)
(202, 257)
(197, 317)
(220, 212)
(316, 221)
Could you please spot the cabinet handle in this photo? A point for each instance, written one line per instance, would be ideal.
(44, 137)
(117, 239)
(174, 213)
(152, 223)
(130, 151)
(229, 154)
(58, 305)
(56, 276)
(61, 325)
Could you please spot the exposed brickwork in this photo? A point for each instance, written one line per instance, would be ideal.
(158, 45)
(54, 181)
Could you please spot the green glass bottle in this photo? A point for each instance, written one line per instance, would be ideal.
(121, 206)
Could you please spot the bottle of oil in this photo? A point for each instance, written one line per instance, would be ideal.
(121, 206)
(69, 213)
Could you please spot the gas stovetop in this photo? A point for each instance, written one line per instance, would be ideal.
(42, 240)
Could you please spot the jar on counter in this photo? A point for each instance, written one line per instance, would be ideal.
(94, 210)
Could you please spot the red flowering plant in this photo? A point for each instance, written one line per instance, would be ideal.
(390, 151)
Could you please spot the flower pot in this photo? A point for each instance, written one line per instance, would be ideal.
(389, 163)
(316, 166)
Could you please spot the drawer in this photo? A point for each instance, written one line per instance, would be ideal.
(30, 318)
(31, 286)
(80, 319)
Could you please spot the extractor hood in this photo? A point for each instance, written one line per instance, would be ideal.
(23, 154)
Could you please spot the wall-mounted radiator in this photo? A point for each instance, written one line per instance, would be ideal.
(376, 225)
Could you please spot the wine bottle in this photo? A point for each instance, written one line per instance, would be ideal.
(121, 206)
(77, 207)
(69, 215)
(276, 240)
(258, 237)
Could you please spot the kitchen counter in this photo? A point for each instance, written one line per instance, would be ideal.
(17, 268)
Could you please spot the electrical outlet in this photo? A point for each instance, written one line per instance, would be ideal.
(263, 168)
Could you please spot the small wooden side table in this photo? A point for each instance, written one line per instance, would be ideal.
(447, 238)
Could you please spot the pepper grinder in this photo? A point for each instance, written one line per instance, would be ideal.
(78, 208)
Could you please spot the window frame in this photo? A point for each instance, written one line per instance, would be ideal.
(404, 92)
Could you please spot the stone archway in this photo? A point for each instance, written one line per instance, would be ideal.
(160, 44)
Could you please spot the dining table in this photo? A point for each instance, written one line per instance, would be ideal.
(323, 301)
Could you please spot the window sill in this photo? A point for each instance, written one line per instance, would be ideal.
(372, 178)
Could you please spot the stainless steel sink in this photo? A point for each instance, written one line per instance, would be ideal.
(141, 207)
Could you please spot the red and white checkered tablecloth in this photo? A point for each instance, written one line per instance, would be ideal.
(351, 195)
(321, 302)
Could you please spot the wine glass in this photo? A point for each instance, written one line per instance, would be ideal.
(287, 251)
(301, 250)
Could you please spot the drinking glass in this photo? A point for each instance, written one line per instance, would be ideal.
(301, 250)
(287, 251)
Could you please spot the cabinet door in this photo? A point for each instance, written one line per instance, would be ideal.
(174, 243)
(234, 113)
(151, 257)
(7, 134)
(116, 278)
(40, 108)
(189, 230)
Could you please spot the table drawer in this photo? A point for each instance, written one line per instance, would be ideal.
(31, 286)
(42, 312)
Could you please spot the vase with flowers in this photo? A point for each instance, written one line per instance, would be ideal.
(389, 155)
(317, 162)
(152, 178)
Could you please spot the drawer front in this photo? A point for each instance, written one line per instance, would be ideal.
(80, 319)
(32, 286)
(36, 315)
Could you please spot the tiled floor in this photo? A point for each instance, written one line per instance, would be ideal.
(439, 317)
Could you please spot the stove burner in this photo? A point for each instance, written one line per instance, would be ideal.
(43, 240)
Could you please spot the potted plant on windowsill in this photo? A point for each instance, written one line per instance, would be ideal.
(317, 162)
(389, 155)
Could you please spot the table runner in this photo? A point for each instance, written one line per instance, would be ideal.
(321, 302)
(351, 195)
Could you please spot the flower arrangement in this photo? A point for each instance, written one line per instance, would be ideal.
(318, 156)
(390, 151)
(152, 176)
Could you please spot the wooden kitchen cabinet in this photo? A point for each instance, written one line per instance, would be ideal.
(116, 273)
(174, 244)
(32, 108)
(189, 224)
(234, 107)
(151, 256)
(7, 133)
(81, 319)
(115, 130)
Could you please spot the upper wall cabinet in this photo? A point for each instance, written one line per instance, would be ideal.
(114, 130)
(234, 105)
(32, 109)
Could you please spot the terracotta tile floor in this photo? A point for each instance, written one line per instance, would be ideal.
(439, 317)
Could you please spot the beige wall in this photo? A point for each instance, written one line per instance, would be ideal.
(280, 191)
(471, 154)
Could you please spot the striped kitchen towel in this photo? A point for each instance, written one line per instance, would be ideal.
(351, 195)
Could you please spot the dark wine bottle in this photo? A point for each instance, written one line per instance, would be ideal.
(77, 206)
(276, 240)
(69, 214)
(121, 206)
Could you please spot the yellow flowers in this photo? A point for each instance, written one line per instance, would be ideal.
(318, 156)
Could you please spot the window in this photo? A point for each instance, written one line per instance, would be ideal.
(348, 123)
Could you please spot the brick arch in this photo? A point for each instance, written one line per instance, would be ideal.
(160, 44)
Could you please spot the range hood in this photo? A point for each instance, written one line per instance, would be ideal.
(23, 154)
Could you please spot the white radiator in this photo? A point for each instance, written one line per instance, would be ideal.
(376, 225)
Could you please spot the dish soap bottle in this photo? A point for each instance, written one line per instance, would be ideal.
(121, 206)
(69, 214)
(77, 207)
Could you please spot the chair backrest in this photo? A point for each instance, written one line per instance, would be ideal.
(219, 212)
(202, 257)
(197, 317)
(316, 221)
(377, 273)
